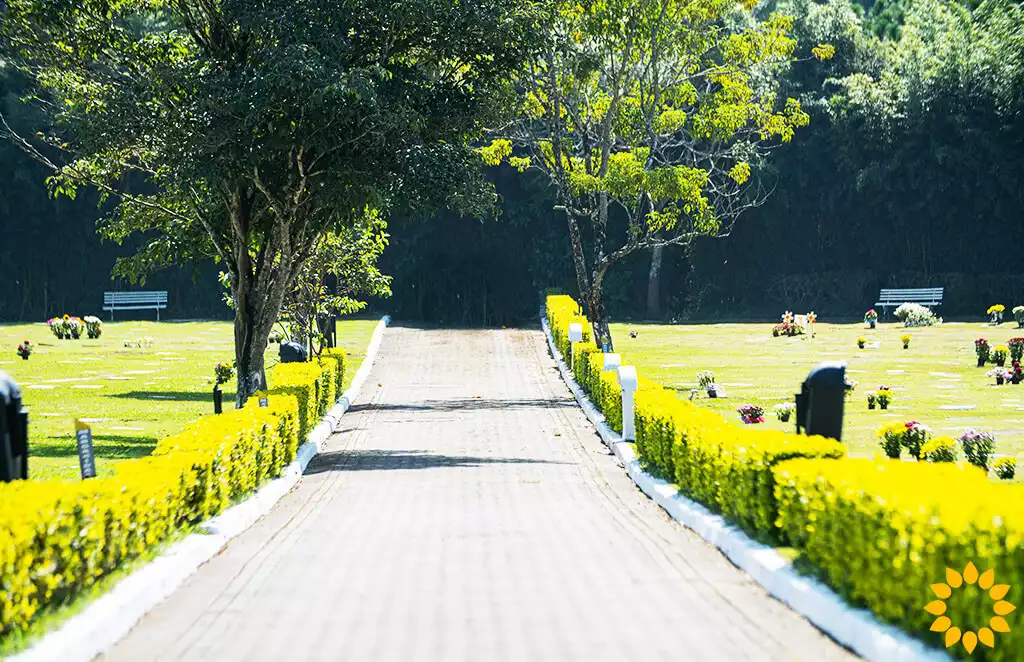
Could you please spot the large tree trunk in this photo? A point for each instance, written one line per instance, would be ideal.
(654, 284)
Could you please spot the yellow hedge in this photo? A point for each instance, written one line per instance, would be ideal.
(881, 532)
(723, 465)
(57, 538)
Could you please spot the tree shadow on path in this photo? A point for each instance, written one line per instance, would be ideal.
(392, 460)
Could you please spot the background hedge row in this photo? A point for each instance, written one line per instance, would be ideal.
(880, 532)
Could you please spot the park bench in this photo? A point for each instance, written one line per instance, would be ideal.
(134, 301)
(926, 296)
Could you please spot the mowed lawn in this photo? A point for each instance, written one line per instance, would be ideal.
(132, 397)
(936, 381)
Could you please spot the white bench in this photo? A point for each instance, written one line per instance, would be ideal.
(926, 296)
(134, 301)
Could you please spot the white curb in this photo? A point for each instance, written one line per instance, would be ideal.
(111, 616)
(857, 629)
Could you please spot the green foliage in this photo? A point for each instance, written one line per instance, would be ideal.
(265, 124)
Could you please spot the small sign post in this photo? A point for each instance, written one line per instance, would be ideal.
(86, 458)
(264, 399)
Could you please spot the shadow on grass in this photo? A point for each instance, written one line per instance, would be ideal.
(388, 460)
(173, 396)
(105, 446)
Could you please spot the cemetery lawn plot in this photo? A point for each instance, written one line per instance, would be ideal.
(131, 396)
(935, 381)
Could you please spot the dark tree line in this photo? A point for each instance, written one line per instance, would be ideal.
(911, 173)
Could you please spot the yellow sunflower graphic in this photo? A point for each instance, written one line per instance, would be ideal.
(1000, 608)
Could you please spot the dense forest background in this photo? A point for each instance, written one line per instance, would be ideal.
(910, 174)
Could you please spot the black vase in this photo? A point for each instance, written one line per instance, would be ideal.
(871, 405)
(1000, 362)
(24, 357)
(1015, 379)
(1000, 381)
(883, 405)
(981, 362)
(218, 399)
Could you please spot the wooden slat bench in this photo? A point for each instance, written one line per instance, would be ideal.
(926, 296)
(134, 301)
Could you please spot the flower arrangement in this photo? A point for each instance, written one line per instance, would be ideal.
(57, 327)
(1016, 373)
(25, 349)
(871, 316)
(705, 379)
(891, 439)
(914, 314)
(144, 341)
(73, 326)
(871, 400)
(850, 384)
(1002, 375)
(884, 396)
(1016, 346)
(784, 410)
(789, 327)
(1018, 314)
(940, 449)
(1005, 468)
(999, 355)
(751, 413)
(983, 350)
(812, 318)
(224, 371)
(905, 339)
(915, 437)
(996, 313)
(861, 341)
(93, 326)
(977, 446)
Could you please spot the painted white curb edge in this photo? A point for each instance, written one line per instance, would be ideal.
(857, 629)
(111, 616)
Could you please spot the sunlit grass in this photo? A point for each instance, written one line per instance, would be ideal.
(935, 381)
(131, 396)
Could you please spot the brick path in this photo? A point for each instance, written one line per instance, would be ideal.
(467, 511)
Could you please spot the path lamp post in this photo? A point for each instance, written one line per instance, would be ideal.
(575, 336)
(612, 362)
(628, 384)
(13, 431)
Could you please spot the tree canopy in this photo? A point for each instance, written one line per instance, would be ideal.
(242, 131)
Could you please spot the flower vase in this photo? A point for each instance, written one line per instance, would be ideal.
(981, 362)
(24, 357)
(871, 405)
(1015, 379)
(906, 347)
(871, 324)
(1000, 381)
(883, 405)
(1000, 362)
(218, 399)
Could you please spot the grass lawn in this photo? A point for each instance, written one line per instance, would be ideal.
(132, 396)
(935, 382)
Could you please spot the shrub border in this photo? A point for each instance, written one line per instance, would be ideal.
(111, 616)
(857, 629)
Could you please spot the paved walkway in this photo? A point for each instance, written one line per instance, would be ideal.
(467, 511)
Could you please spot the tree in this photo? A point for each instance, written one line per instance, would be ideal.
(661, 110)
(242, 130)
(341, 269)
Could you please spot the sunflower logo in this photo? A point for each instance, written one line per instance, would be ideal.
(1000, 608)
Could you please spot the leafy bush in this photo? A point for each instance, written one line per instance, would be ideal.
(58, 538)
(914, 314)
(1005, 468)
(881, 533)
